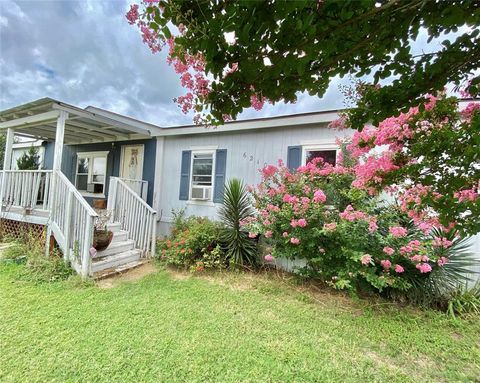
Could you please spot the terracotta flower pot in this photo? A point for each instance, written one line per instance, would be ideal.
(101, 239)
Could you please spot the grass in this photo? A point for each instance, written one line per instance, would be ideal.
(224, 328)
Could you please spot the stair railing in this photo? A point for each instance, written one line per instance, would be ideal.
(27, 189)
(72, 224)
(134, 215)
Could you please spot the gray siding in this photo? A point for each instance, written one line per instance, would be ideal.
(247, 152)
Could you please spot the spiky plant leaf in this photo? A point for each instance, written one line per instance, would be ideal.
(240, 249)
(435, 288)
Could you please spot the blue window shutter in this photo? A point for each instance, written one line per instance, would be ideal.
(294, 157)
(220, 171)
(185, 175)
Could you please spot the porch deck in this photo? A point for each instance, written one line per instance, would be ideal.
(47, 197)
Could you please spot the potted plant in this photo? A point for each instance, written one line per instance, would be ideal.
(102, 237)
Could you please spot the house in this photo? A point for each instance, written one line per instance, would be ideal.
(140, 172)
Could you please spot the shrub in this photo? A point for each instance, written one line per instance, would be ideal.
(349, 238)
(193, 245)
(237, 207)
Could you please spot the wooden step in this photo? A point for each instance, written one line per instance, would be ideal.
(116, 247)
(120, 235)
(112, 271)
(114, 226)
(116, 260)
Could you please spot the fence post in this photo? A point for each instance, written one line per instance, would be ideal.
(112, 198)
(154, 233)
(86, 259)
(68, 224)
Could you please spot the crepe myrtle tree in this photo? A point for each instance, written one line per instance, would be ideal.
(232, 55)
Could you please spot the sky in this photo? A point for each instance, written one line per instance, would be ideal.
(85, 53)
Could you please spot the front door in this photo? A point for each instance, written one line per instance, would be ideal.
(132, 162)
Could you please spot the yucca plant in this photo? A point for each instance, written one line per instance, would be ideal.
(240, 249)
(436, 288)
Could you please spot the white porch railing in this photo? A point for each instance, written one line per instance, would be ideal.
(138, 186)
(27, 189)
(72, 222)
(133, 214)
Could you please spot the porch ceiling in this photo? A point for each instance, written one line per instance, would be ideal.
(38, 119)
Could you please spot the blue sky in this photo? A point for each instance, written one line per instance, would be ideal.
(85, 53)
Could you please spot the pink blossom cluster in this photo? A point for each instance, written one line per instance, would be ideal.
(350, 214)
(469, 110)
(302, 222)
(330, 226)
(441, 242)
(398, 231)
(424, 267)
(466, 195)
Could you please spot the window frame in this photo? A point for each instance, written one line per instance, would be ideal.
(91, 156)
(319, 147)
(190, 186)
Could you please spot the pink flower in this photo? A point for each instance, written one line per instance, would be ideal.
(398, 231)
(132, 14)
(399, 269)
(302, 222)
(441, 242)
(268, 234)
(350, 214)
(386, 264)
(294, 241)
(285, 234)
(366, 259)
(330, 226)
(372, 225)
(388, 250)
(424, 268)
(269, 258)
(252, 235)
(269, 171)
(293, 223)
(442, 261)
(319, 196)
(466, 195)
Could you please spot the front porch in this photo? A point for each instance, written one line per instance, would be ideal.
(76, 172)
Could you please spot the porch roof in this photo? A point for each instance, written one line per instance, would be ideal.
(38, 119)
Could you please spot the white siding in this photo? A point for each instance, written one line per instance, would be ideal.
(247, 152)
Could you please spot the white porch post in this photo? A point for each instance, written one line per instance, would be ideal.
(157, 192)
(57, 157)
(57, 165)
(7, 162)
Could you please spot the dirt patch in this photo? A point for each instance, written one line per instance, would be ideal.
(129, 276)
(179, 275)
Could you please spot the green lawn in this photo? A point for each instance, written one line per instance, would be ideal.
(230, 328)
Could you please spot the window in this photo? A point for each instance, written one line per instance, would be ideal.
(91, 172)
(201, 187)
(327, 152)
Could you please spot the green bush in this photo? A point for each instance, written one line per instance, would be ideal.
(193, 245)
